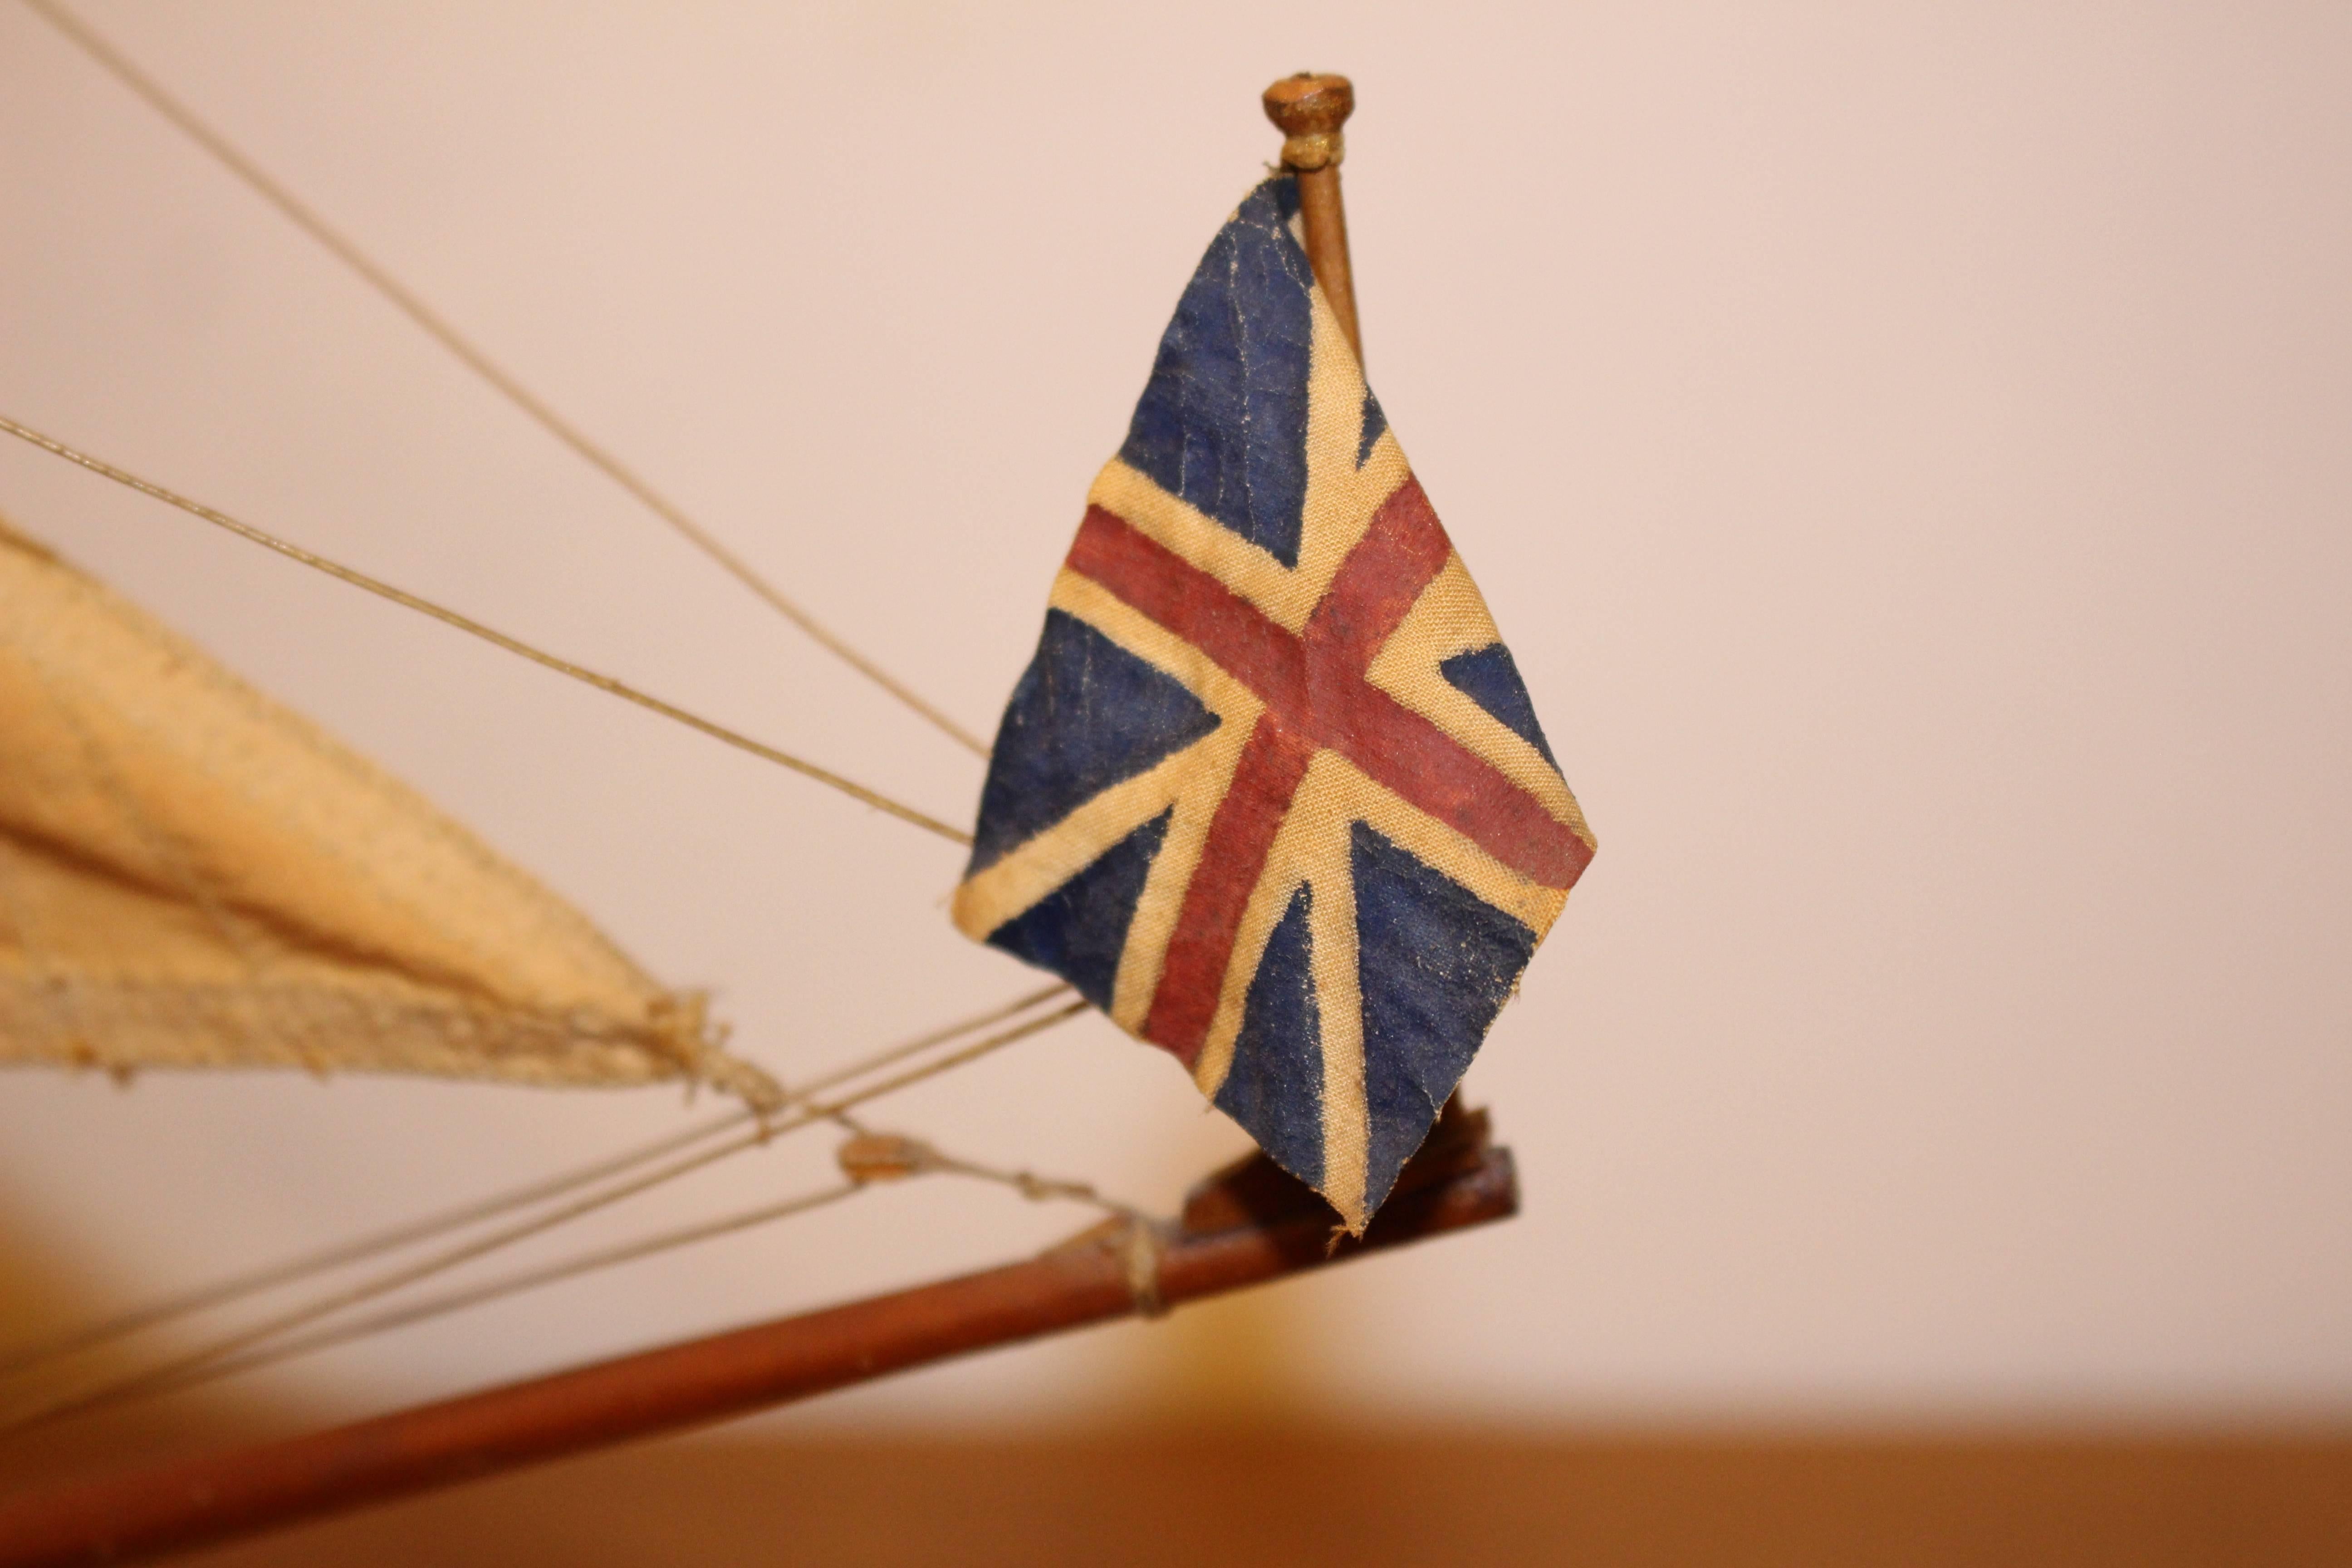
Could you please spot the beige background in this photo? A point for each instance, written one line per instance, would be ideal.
(1905, 448)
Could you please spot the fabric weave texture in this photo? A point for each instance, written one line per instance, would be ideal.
(190, 876)
(1272, 793)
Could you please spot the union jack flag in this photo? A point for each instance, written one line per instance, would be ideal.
(1272, 793)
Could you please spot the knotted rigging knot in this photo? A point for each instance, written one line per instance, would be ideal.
(1139, 1249)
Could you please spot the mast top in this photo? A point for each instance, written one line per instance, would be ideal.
(1309, 109)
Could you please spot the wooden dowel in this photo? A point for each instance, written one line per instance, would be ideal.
(1310, 109)
(175, 1506)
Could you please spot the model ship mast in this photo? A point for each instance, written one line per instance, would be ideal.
(1249, 1224)
(1310, 109)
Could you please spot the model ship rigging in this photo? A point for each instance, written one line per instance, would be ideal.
(1243, 951)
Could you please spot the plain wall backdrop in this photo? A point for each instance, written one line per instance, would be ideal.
(1907, 447)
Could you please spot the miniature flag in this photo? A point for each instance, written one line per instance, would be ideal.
(1271, 794)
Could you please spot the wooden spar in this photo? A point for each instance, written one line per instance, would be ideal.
(1309, 109)
(1249, 1225)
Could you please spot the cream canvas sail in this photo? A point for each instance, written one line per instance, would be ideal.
(193, 876)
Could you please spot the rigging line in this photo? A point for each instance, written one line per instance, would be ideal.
(929, 1160)
(929, 1157)
(408, 1233)
(401, 597)
(285, 1273)
(434, 326)
(950, 1062)
(1028, 1184)
(1037, 1188)
(510, 1285)
(883, 1059)
(158, 1378)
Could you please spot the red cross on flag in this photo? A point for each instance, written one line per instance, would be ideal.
(1271, 793)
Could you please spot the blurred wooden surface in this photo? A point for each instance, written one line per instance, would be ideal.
(1301, 1498)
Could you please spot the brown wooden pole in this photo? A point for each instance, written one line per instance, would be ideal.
(1309, 109)
(1258, 1229)
(1249, 1225)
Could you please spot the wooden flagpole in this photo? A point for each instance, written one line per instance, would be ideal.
(1250, 1225)
(1309, 109)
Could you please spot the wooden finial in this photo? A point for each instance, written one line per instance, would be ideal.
(1309, 109)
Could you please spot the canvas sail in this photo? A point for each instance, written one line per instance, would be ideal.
(192, 876)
